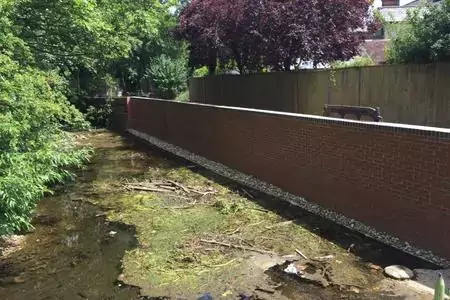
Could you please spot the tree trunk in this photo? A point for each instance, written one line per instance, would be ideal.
(238, 60)
(212, 68)
(287, 65)
(240, 67)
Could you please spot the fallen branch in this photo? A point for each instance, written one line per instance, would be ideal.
(247, 193)
(265, 290)
(203, 194)
(196, 192)
(209, 193)
(237, 247)
(180, 207)
(166, 187)
(301, 254)
(281, 224)
(179, 185)
(234, 231)
(321, 258)
(146, 189)
(222, 265)
(260, 209)
(257, 223)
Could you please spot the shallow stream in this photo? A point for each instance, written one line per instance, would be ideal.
(74, 252)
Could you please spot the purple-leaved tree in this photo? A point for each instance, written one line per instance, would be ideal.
(272, 33)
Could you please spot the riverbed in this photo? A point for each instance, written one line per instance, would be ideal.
(103, 237)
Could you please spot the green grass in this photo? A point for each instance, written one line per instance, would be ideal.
(183, 96)
(172, 261)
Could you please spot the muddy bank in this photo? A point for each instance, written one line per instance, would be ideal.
(187, 232)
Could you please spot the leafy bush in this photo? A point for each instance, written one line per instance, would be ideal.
(34, 149)
(427, 38)
(168, 75)
(201, 72)
(98, 116)
(183, 96)
(356, 62)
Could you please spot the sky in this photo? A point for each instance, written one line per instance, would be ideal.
(402, 2)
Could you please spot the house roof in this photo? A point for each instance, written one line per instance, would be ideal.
(400, 13)
(413, 4)
(418, 2)
(394, 14)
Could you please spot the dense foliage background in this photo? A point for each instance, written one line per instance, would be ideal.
(426, 38)
(53, 54)
(35, 151)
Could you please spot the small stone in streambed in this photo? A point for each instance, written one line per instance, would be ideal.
(399, 272)
(11, 280)
(121, 278)
(374, 267)
(291, 269)
(18, 280)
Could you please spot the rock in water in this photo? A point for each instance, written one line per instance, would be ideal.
(206, 296)
(399, 272)
(121, 278)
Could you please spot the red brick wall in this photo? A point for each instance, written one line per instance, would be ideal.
(394, 178)
(119, 117)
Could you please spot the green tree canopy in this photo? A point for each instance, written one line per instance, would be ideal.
(70, 33)
(427, 39)
(44, 45)
(34, 149)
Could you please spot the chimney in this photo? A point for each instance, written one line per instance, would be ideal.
(390, 3)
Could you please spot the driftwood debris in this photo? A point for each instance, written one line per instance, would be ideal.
(146, 189)
(265, 290)
(281, 224)
(228, 245)
(202, 194)
(246, 193)
(179, 185)
(301, 254)
(165, 186)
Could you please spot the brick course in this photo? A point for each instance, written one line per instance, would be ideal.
(395, 178)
